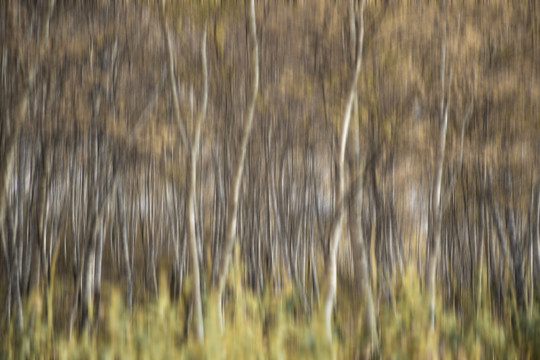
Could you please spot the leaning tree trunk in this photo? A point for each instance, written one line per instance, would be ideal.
(192, 191)
(232, 207)
(335, 235)
(192, 147)
(357, 239)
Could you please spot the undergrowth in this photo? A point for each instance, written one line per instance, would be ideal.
(270, 325)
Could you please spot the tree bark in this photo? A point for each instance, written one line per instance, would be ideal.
(21, 104)
(125, 249)
(335, 234)
(85, 277)
(192, 146)
(436, 209)
(357, 240)
(536, 239)
(515, 250)
(234, 191)
(8, 160)
(192, 192)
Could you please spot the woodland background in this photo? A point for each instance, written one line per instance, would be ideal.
(367, 166)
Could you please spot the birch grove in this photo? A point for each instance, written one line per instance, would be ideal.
(325, 177)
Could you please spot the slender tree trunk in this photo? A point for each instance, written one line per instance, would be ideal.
(14, 273)
(192, 146)
(125, 249)
(8, 160)
(536, 239)
(435, 223)
(41, 218)
(192, 191)
(19, 114)
(234, 191)
(335, 234)
(85, 277)
(515, 250)
(88, 272)
(357, 240)
(97, 273)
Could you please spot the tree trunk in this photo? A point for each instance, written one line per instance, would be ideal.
(84, 286)
(192, 190)
(234, 191)
(515, 250)
(335, 234)
(536, 239)
(125, 249)
(436, 209)
(192, 146)
(21, 103)
(361, 269)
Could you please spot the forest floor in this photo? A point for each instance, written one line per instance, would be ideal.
(271, 325)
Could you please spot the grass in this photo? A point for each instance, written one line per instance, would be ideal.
(269, 325)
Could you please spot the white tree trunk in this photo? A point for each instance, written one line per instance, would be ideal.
(357, 239)
(192, 146)
(192, 189)
(436, 200)
(232, 207)
(335, 235)
(21, 103)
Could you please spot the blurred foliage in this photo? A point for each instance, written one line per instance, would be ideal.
(267, 326)
(305, 70)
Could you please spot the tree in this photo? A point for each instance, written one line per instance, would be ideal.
(335, 235)
(436, 209)
(19, 117)
(191, 144)
(238, 165)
